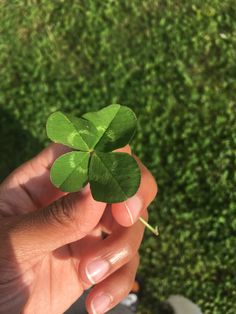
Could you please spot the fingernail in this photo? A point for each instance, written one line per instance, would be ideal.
(134, 205)
(95, 270)
(100, 304)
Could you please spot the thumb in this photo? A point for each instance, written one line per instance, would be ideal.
(64, 221)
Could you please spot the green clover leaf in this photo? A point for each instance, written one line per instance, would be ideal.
(116, 126)
(69, 172)
(74, 132)
(113, 177)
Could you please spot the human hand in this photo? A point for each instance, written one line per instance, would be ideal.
(52, 246)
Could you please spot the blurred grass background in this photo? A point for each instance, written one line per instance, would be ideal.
(173, 63)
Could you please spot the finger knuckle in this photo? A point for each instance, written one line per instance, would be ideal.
(62, 211)
(67, 209)
(129, 249)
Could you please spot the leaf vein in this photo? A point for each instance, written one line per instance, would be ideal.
(105, 131)
(68, 120)
(114, 178)
(72, 171)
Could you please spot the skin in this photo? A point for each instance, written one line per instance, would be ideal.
(48, 238)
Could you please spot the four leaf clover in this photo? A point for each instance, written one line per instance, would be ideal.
(113, 176)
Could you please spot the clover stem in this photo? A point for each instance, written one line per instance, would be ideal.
(146, 224)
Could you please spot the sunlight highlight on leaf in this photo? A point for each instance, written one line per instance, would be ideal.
(70, 171)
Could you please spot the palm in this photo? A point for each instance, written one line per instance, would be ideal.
(56, 282)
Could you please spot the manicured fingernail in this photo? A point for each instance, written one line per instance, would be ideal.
(95, 270)
(100, 304)
(134, 205)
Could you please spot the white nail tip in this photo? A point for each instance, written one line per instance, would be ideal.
(89, 277)
(129, 213)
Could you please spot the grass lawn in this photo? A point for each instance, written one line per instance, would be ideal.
(173, 63)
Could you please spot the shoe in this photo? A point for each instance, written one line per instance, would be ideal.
(177, 304)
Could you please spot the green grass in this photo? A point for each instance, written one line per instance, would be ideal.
(173, 62)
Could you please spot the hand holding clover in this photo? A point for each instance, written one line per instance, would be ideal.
(113, 176)
(52, 244)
